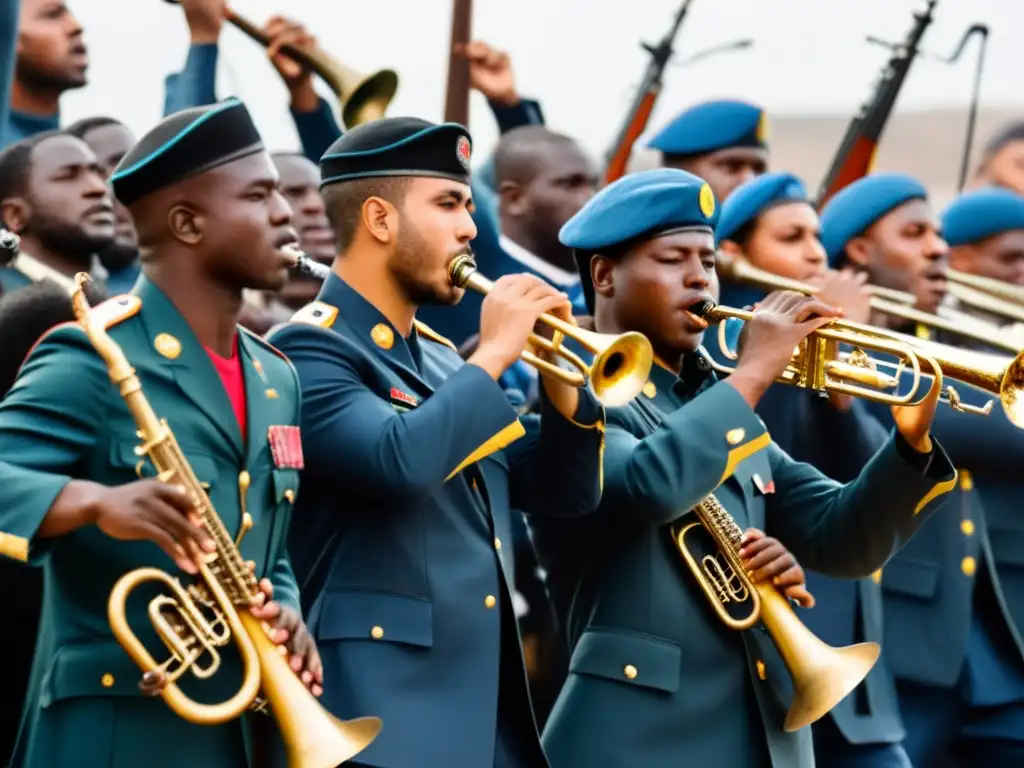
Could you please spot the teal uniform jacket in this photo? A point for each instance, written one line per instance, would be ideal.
(656, 679)
(63, 419)
(413, 462)
(11, 280)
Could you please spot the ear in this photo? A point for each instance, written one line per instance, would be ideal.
(380, 218)
(185, 224)
(732, 249)
(858, 252)
(15, 214)
(511, 198)
(602, 273)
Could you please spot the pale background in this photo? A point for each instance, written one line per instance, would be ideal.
(581, 59)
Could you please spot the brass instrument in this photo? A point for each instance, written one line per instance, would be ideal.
(885, 300)
(998, 288)
(621, 363)
(822, 676)
(195, 620)
(818, 365)
(363, 97)
(993, 297)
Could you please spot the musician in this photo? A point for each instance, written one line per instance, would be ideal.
(1002, 160)
(952, 603)
(414, 459)
(985, 231)
(110, 140)
(54, 196)
(77, 501)
(771, 224)
(723, 141)
(656, 679)
(51, 59)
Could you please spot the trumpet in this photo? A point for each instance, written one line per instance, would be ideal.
(888, 301)
(817, 365)
(621, 363)
(362, 97)
(194, 621)
(997, 288)
(822, 675)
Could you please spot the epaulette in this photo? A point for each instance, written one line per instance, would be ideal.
(425, 330)
(264, 343)
(317, 313)
(116, 310)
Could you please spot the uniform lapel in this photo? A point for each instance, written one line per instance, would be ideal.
(264, 404)
(188, 362)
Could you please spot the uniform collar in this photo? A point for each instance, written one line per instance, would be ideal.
(36, 271)
(533, 262)
(696, 376)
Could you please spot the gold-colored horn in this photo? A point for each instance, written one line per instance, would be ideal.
(822, 675)
(997, 288)
(194, 621)
(888, 301)
(621, 363)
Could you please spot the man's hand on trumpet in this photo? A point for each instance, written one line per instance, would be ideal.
(297, 77)
(766, 559)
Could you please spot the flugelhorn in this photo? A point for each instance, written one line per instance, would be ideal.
(194, 621)
(888, 301)
(818, 364)
(621, 363)
(362, 97)
(822, 676)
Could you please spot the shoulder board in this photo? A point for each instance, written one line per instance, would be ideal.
(116, 310)
(318, 313)
(264, 343)
(427, 332)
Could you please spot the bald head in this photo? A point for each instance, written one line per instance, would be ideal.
(522, 152)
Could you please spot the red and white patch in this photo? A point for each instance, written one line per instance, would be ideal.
(401, 397)
(462, 149)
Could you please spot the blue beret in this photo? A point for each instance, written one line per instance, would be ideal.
(398, 146)
(711, 126)
(639, 205)
(856, 207)
(980, 214)
(750, 200)
(185, 144)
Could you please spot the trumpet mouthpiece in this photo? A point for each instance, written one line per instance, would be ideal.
(702, 309)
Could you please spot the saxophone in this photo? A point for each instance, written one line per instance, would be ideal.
(822, 675)
(195, 620)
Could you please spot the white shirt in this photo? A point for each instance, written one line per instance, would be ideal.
(560, 277)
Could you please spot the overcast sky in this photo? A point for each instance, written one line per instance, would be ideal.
(580, 58)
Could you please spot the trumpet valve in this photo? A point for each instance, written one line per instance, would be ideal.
(861, 375)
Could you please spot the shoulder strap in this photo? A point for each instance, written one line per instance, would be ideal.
(317, 313)
(116, 310)
(429, 333)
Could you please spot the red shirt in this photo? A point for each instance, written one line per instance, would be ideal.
(230, 371)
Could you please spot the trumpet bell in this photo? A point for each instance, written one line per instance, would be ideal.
(823, 685)
(1011, 390)
(620, 366)
(365, 97)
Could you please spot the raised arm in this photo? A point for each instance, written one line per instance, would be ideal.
(9, 13)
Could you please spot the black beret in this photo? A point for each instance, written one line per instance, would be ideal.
(399, 146)
(184, 144)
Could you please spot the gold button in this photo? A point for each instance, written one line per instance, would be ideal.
(377, 633)
(167, 345)
(289, 496)
(490, 601)
(967, 527)
(968, 566)
(497, 543)
(735, 436)
(650, 390)
(382, 336)
(630, 671)
(762, 671)
(107, 681)
(966, 481)
(877, 576)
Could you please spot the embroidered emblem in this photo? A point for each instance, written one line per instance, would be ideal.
(382, 336)
(403, 397)
(462, 151)
(286, 446)
(167, 345)
(707, 201)
(650, 390)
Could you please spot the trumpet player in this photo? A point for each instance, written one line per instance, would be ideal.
(771, 224)
(77, 501)
(953, 608)
(414, 460)
(656, 678)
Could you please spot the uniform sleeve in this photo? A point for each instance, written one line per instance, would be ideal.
(317, 130)
(8, 37)
(525, 112)
(558, 472)
(850, 531)
(376, 452)
(196, 84)
(662, 476)
(48, 424)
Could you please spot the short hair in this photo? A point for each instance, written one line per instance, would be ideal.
(16, 164)
(516, 151)
(344, 202)
(80, 128)
(26, 315)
